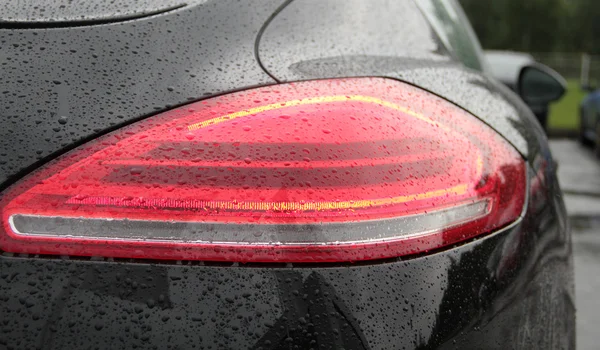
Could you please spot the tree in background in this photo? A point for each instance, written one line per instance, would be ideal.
(536, 25)
(587, 25)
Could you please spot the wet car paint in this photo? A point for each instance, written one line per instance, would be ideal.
(62, 86)
(303, 42)
(512, 289)
(68, 13)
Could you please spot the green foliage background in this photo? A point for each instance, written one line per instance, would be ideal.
(542, 26)
(536, 25)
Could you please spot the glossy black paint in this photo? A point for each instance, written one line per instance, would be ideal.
(28, 13)
(511, 289)
(312, 40)
(103, 76)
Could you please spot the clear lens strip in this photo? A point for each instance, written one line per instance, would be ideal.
(248, 234)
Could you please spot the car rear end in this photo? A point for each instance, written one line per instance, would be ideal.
(166, 185)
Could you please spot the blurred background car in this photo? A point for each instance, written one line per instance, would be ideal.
(589, 120)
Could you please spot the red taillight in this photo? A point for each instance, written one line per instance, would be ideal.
(332, 170)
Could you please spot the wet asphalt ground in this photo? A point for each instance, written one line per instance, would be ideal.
(579, 177)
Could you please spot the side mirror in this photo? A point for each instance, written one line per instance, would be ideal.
(540, 85)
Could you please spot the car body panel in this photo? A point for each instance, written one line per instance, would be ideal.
(509, 289)
(512, 289)
(32, 13)
(63, 86)
(302, 42)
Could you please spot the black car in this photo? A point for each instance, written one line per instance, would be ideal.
(272, 175)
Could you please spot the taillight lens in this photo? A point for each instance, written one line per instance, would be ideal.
(332, 170)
